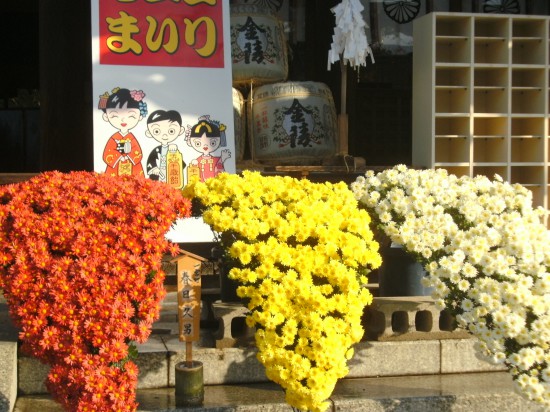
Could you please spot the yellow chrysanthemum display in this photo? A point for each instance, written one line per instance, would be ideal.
(301, 252)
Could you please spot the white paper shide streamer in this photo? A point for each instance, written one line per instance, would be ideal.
(349, 41)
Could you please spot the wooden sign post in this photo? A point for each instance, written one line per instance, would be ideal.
(189, 300)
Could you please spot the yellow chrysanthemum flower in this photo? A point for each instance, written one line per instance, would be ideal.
(297, 248)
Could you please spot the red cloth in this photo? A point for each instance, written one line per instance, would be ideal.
(118, 163)
(209, 166)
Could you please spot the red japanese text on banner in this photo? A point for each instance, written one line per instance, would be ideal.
(175, 33)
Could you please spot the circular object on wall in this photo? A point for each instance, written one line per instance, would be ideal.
(501, 6)
(401, 11)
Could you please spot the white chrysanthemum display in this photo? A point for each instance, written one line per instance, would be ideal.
(487, 255)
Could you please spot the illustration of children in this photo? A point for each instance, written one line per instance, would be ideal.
(123, 109)
(165, 162)
(206, 136)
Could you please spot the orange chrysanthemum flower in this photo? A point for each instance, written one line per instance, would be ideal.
(76, 254)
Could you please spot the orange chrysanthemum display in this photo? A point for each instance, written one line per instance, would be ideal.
(80, 267)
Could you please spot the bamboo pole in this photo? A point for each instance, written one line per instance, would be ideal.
(343, 116)
(189, 354)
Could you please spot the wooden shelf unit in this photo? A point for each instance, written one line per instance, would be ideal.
(481, 92)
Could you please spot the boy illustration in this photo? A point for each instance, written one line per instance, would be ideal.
(165, 163)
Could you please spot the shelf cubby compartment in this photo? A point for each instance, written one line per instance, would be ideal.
(490, 77)
(491, 51)
(452, 76)
(490, 27)
(529, 51)
(490, 127)
(452, 26)
(452, 150)
(527, 175)
(452, 100)
(529, 127)
(529, 101)
(458, 170)
(490, 150)
(528, 77)
(452, 50)
(538, 194)
(529, 28)
(532, 178)
(452, 127)
(527, 149)
(490, 171)
(490, 101)
(489, 97)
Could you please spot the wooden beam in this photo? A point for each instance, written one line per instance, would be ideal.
(8, 178)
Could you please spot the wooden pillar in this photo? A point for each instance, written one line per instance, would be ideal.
(65, 85)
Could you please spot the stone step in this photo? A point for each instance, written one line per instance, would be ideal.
(158, 357)
(8, 359)
(229, 355)
(8, 375)
(472, 392)
(403, 349)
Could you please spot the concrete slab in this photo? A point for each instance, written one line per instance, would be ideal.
(395, 358)
(458, 356)
(8, 358)
(408, 318)
(173, 344)
(8, 332)
(492, 391)
(159, 355)
(8, 375)
(153, 370)
(155, 343)
(238, 365)
(224, 366)
(31, 375)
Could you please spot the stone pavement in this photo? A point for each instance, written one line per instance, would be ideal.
(483, 392)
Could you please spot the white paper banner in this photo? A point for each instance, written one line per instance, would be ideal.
(163, 93)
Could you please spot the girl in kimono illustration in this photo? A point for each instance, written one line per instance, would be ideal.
(206, 136)
(123, 110)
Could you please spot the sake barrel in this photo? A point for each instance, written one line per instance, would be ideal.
(239, 115)
(258, 46)
(292, 123)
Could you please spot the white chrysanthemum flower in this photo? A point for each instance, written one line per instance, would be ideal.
(481, 239)
(455, 277)
(463, 285)
(469, 270)
(498, 358)
(439, 303)
(467, 305)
